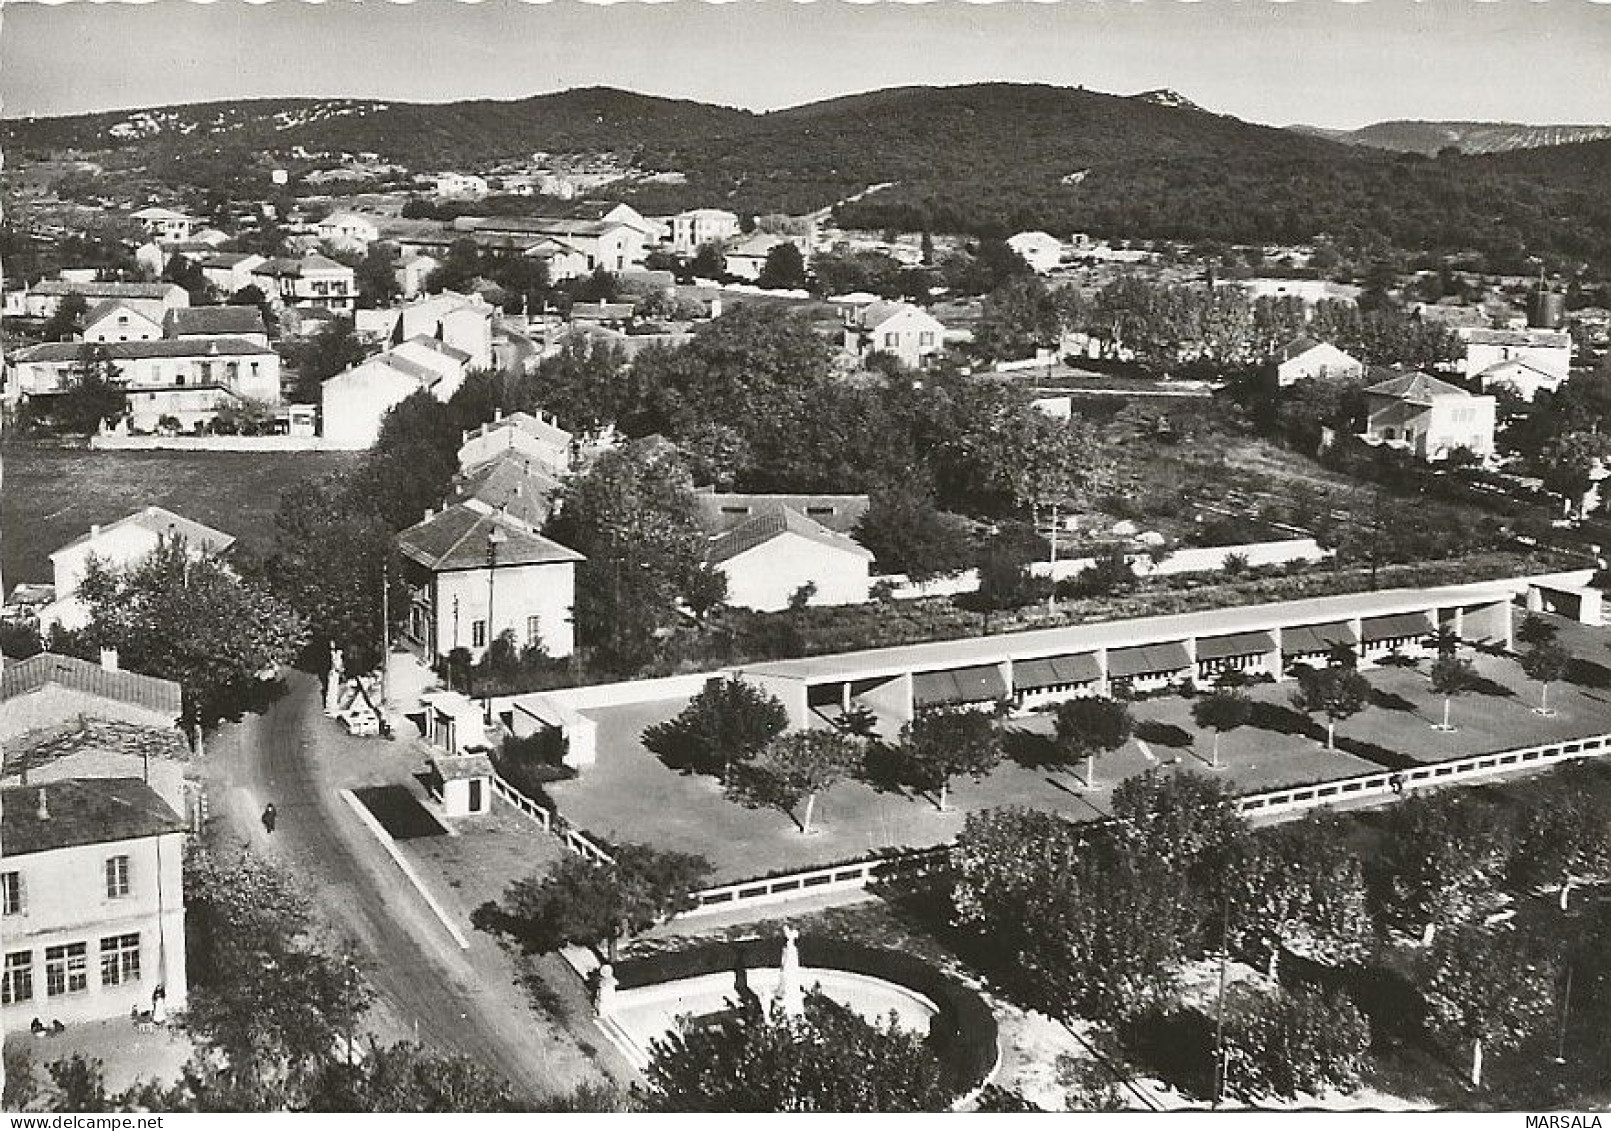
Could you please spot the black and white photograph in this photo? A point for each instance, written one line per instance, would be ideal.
(805, 556)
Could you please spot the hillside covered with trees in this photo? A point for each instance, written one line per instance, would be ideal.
(983, 160)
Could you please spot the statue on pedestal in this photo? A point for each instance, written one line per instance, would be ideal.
(332, 692)
(604, 991)
(790, 998)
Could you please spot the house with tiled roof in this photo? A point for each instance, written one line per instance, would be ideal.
(93, 896)
(1428, 417)
(120, 544)
(773, 555)
(458, 320)
(1545, 354)
(897, 328)
(474, 573)
(151, 299)
(114, 320)
(208, 323)
(537, 438)
(313, 280)
(181, 382)
(164, 223)
(351, 230)
(610, 244)
(512, 484)
(229, 271)
(48, 689)
(1308, 359)
(720, 511)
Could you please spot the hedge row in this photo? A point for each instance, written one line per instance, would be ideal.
(963, 1032)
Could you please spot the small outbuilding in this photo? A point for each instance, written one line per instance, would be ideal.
(462, 783)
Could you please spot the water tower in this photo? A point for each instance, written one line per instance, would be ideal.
(1546, 309)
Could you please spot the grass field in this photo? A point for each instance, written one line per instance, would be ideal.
(54, 494)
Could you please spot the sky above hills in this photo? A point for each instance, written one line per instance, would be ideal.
(1324, 62)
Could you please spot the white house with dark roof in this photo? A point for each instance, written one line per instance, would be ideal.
(116, 321)
(150, 299)
(771, 556)
(897, 328)
(1308, 359)
(48, 689)
(511, 484)
(538, 439)
(313, 280)
(610, 244)
(1527, 360)
(92, 888)
(230, 271)
(720, 511)
(474, 574)
(184, 380)
(118, 545)
(213, 323)
(1429, 417)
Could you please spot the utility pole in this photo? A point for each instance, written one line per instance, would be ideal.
(1051, 594)
(385, 630)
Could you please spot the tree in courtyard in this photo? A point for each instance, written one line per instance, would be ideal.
(1442, 858)
(580, 901)
(794, 767)
(632, 515)
(939, 745)
(1222, 710)
(1451, 676)
(708, 262)
(727, 723)
(1547, 662)
(1336, 692)
(1293, 1043)
(1534, 630)
(1490, 988)
(66, 320)
(1567, 464)
(317, 358)
(1048, 464)
(1088, 726)
(95, 392)
(185, 617)
(907, 533)
(784, 268)
(754, 1058)
(1299, 888)
(375, 275)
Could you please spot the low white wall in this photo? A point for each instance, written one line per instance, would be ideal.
(111, 443)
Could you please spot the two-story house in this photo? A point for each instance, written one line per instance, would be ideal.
(151, 299)
(355, 401)
(461, 321)
(474, 573)
(1428, 417)
(313, 280)
(699, 226)
(230, 271)
(1525, 360)
(119, 544)
(537, 439)
(116, 321)
(897, 328)
(347, 230)
(164, 224)
(177, 382)
(93, 902)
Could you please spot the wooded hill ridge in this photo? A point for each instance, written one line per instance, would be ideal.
(985, 159)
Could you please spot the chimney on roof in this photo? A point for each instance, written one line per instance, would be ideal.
(43, 812)
(109, 659)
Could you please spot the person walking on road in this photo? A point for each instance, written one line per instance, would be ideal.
(270, 817)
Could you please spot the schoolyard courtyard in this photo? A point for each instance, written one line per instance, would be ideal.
(630, 795)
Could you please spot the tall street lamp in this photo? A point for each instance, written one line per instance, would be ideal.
(495, 538)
